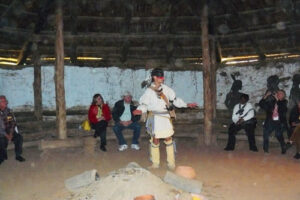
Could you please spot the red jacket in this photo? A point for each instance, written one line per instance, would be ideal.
(93, 111)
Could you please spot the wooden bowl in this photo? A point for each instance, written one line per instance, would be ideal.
(186, 172)
(145, 197)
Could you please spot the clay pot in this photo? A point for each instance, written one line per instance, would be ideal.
(145, 197)
(186, 172)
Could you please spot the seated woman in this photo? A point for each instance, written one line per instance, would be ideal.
(99, 116)
(295, 128)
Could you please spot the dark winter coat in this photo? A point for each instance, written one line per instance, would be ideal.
(268, 106)
(119, 109)
(294, 115)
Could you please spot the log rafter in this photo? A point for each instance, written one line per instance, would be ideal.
(169, 28)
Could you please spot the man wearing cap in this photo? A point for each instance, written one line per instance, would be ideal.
(9, 132)
(124, 119)
(158, 100)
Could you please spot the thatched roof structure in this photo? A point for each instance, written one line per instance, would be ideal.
(141, 33)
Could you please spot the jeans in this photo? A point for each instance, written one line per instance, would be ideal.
(269, 127)
(100, 130)
(135, 126)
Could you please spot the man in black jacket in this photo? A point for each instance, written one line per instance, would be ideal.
(294, 119)
(124, 119)
(275, 106)
(294, 136)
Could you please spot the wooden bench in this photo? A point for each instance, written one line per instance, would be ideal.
(189, 123)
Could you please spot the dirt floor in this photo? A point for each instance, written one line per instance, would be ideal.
(238, 175)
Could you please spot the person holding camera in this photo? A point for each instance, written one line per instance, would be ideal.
(243, 117)
(275, 106)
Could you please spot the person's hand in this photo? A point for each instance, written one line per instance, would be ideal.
(295, 124)
(137, 112)
(129, 122)
(192, 105)
(275, 96)
(267, 94)
(9, 137)
(241, 120)
(122, 123)
(126, 123)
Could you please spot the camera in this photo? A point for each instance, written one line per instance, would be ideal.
(240, 111)
(171, 106)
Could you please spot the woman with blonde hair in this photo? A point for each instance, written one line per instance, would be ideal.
(99, 116)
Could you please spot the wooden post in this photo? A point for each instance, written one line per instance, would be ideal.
(213, 89)
(213, 78)
(207, 82)
(37, 87)
(74, 22)
(59, 75)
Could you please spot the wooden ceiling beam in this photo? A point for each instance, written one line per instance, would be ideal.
(136, 63)
(39, 25)
(9, 8)
(136, 19)
(246, 51)
(244, 26)
(267, 41)
(10, 47)
(4, 6)
(100, 19)
(74, 9)
(116, 36)
(267, 31)
(187, 34)
(113, 49)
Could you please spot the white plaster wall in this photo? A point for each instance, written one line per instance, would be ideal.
(255, 80)
(17, 86)
(81, 83)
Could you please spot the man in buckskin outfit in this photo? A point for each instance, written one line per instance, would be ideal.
(158, 100)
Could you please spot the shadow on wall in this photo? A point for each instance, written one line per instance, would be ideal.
(295, 91)
(233, 97)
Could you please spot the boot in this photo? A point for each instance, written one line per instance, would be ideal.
(154, 155)
(20, 158)
(170, 154)
(297, 156)
(254, 149)
(283, 148)
(103, 148)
